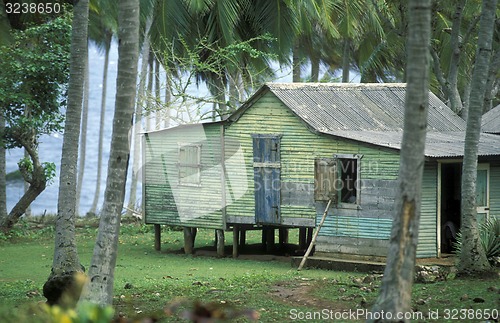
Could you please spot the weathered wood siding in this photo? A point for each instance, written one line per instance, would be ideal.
(299, 148)
(495, 189)
(350, 231)
(427, 235)
(167, 201)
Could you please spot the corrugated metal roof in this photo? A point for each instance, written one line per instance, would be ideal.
(437, 144)
(358, 106)
(491, 120)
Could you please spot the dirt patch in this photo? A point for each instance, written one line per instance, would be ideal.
(301, 293)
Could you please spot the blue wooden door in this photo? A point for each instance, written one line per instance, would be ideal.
(267, 178)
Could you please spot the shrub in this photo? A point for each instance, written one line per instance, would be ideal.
(489, 234)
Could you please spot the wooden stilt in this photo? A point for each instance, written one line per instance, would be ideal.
(220, 242)
(188, 241)
(264, 238)
(243, 237)
(302, 238)
(235, 240)
(157, 229)
(194, 231)
(283, 236)
(270, 240)
(309, 235)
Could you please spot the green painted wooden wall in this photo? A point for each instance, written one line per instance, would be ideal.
(168, 202)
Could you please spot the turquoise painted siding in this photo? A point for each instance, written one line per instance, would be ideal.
(169, 202)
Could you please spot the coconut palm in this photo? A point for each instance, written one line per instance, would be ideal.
(3, 182)
(102, 27)
(472, 256)
(184, 25)
(66, 261)
(83, 137)
(101, 271)
(395, 292)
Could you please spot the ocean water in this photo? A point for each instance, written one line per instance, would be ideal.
(50, 146)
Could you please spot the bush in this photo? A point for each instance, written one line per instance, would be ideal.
(489, 234)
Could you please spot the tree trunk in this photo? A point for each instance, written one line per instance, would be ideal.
(66, 261)
(149, 95)
(157, 95)
(346, 60)
(168, 97)
(296, 65)
(101, 271)
(395, 292)
(37, 182)
(490, 83)
(27, 212)
(102, 122)
(314, 69)
(456, 48)
(3, 182)
(472, 255)
(83, 137)
(136, 138)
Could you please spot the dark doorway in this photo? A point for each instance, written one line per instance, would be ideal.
(451, 175)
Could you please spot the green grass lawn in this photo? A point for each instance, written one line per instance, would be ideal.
(271, 287)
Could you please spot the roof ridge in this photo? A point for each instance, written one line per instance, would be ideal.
(333, 85)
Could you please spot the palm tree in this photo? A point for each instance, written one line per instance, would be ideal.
(395, 292)
(83, 138)
(3, 183)
(218, 24)
(102, 27)
(141, 94)
(66, 261)
(472, 255)
(101, 271)
(316, 35)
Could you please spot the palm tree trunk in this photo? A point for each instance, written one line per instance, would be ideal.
(490, 83)
(101, 271)
(157, 113)
(472, 255)
(314, 69)
(83, 139)
(66, 261)
(149, 94)
(138, 119)
(93, 209)
(456, 47)
(296, 65)
(346, 60)
(168, 97)
(3, 182)
(395, 292)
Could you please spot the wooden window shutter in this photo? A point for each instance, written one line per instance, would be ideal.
(325, 176)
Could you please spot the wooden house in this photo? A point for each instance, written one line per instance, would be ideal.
(278, 160)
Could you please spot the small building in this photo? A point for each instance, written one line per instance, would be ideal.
(278, 160)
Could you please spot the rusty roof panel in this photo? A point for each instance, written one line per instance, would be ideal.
(358, 106)
(437, 144)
